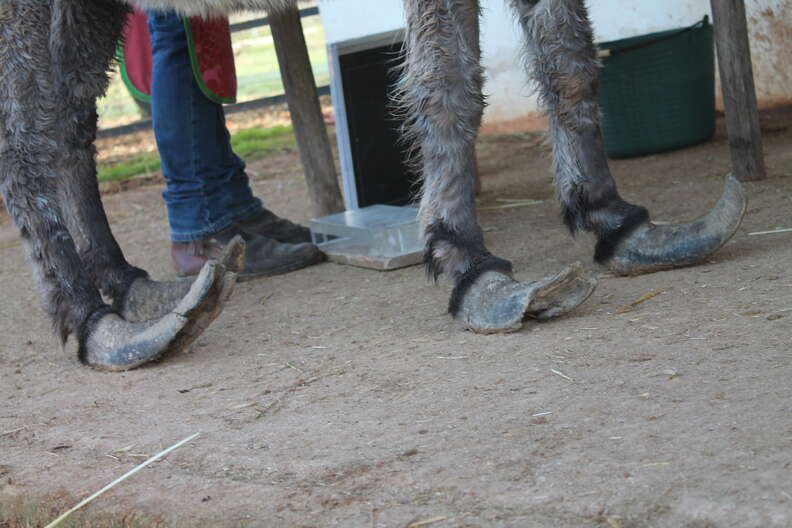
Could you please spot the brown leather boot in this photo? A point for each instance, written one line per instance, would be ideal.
(189, 257)
(268, 224)
(264, 256)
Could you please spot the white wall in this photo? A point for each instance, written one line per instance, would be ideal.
(511, 105)
(770, 29)
(347, 20)
(510, 102)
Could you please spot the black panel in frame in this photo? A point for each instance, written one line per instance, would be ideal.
(378, 156)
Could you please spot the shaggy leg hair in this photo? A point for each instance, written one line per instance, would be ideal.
(89, 41)
(53, 60)
(209, 8)
(34, 43)
(562, 59)
(441, 95)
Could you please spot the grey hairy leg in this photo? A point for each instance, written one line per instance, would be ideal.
(46, 54)
(441, 95)
(214, 8)
(81, 76)
(32, 161)
(561, 59)
(78, 86)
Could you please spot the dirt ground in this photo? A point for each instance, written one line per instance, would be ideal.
(338, 396)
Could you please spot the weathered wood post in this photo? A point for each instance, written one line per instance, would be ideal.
(739, 94)
(306, 114)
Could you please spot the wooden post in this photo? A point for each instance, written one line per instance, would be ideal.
(306, 114)
(737, 83)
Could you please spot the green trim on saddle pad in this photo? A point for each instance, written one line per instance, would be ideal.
(197, 69)
(137, 94)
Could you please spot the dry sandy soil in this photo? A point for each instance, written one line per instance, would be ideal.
(338, 396)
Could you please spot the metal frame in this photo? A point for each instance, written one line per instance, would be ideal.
(334, 53)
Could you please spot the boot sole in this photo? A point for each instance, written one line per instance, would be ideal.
(280, 270)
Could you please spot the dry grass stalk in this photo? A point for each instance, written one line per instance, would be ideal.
(120, 479)
(630, 307)
(12, 431)
(771, 232)
(426, 522)
(559, 373)
(295, 367)
(517, 203)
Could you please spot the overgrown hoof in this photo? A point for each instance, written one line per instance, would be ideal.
(652, 247)
(146, 300)
(112, 343)
(115, 344)
(496, 303)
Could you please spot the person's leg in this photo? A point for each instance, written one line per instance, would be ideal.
(207, 195)
(207, 188)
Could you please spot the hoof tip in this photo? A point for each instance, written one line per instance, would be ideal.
(655, 247)
(115, 344)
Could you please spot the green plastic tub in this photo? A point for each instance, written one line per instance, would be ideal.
(657, 91)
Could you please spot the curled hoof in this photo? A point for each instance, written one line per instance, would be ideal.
(652, 247)
(497, 303)
(112, 343)
(146, 299)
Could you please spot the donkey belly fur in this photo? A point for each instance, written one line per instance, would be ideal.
(210, 8)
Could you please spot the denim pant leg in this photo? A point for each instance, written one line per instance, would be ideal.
(207, 188)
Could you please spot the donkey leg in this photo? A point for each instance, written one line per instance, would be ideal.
(441, 93)
(34, 66)
(562, 59)
(72, 300)
(135, 296)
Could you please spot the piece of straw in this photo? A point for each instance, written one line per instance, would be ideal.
(120, 479)
(519, 203)
(630, 307)
(12, 431)
(426, 522)
(559, 373)
(771, 232)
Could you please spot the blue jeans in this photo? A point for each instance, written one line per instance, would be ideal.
(207, 189)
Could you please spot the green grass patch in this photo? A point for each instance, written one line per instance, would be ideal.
(257, 143)
(253, 143)
(144, 163)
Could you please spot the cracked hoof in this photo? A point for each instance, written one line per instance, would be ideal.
(146, 299)
(115, 344)
(497, 303)
(652, 247)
